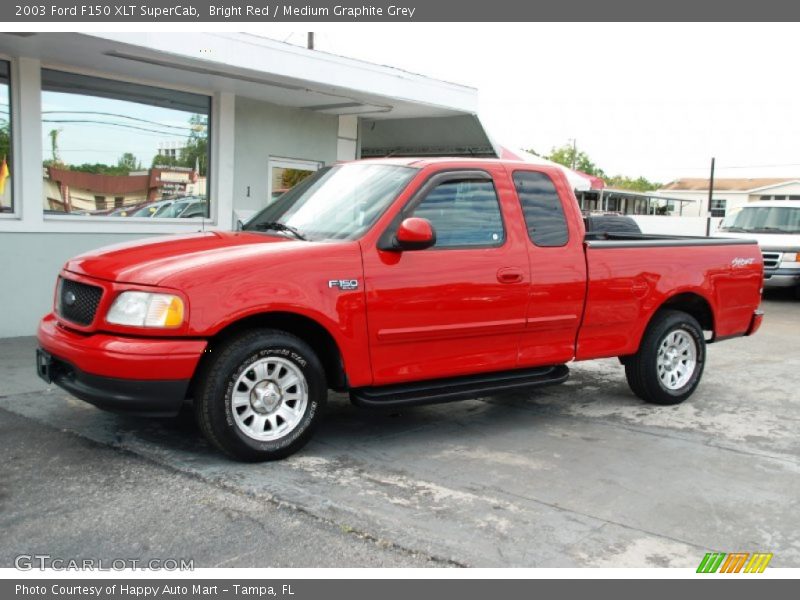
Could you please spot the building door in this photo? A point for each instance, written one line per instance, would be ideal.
(285, 173)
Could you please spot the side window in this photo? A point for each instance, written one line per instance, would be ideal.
(463, 213)
(542, 208)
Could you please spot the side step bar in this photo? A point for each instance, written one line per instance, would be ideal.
(457, 388)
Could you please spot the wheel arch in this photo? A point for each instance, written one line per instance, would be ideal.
(692, 303)
(307, 329)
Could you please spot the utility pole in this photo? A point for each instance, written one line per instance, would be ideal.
(574, 152)
(710, 198)
(310, 40)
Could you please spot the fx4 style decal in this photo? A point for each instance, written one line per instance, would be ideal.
(343, 284)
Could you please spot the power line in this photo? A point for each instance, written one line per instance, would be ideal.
(108, 114)
(123, 125)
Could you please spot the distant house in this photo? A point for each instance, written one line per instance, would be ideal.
(729, 193)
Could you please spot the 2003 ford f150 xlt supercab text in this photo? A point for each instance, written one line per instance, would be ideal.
(399, 281)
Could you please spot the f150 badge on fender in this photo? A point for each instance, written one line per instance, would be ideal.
(343, 284)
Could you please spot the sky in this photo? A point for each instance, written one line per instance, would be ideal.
(116, 127)
(657, 100)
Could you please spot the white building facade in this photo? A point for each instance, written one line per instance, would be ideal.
(729, 194)
(112, 137)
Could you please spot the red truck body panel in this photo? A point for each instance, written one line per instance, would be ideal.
(419, 314)
(627, 286)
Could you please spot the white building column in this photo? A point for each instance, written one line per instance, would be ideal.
(222, 145)
(26, 86)
(347, 138)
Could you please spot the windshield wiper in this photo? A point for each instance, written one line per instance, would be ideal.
(278, 226)
(769, 229)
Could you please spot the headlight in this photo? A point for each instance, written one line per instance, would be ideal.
(143, 309)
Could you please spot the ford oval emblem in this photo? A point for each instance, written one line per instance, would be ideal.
(69, 298)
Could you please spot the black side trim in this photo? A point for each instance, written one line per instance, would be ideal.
(629, 240)
(146, 398)
(457, 388)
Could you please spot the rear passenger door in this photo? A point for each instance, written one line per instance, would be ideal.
(557, 269)
(458, 307)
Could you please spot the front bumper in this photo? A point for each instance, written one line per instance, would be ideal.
(141, 376)
(781, 278)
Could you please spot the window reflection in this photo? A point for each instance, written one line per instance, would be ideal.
(118, 149)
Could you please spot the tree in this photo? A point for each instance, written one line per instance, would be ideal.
(128, 163)
(5, 140)
(640, 184)
(195, 152)
(564, 155)
(567, 156)
(291, 177)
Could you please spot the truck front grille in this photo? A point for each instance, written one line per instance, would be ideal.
(771, 259)
(77, 302)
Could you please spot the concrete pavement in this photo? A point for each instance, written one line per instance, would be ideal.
(582, 474)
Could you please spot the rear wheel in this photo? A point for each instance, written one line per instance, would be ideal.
(261, 395)
(670, 361)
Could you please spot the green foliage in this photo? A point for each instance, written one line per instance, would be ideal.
(291, 177)
(640, 184)
(195, 152)
(567, 156)
(128, 162)
(5, 140)
(97, 168)
(564, 156)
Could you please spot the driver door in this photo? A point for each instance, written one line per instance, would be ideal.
(457, 307)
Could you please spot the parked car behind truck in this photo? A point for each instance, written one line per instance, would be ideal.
(775, 225)
(401, 282)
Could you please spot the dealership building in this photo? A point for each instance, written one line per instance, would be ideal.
(106, 138)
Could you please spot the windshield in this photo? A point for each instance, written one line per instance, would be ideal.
(339, 202)
(763, 219)
(171, 210)
(148, 210)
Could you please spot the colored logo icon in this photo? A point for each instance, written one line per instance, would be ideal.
(736, 562)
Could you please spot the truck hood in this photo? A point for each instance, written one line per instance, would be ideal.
(150, 261)
(766, 241)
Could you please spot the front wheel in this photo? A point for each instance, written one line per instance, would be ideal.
(261, 395)
(670, 361)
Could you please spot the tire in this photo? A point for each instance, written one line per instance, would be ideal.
(261, 395)
(669, 364)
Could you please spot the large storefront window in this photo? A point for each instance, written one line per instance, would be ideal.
(118, 149)
(6, 197)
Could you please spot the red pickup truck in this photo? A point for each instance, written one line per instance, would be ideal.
(399, 281)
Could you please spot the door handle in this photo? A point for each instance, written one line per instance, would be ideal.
(510, 275)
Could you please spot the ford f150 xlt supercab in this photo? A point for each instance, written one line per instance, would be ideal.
(399, 281)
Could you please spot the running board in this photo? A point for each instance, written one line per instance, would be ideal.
(457, 388)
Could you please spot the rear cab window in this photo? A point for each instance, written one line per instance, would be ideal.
(542, 209)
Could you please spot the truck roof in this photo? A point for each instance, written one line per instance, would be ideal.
(421, 162)
(774, 203)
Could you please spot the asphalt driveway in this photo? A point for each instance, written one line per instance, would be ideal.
(581, 474)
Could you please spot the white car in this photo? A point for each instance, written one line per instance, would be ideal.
(775, 225)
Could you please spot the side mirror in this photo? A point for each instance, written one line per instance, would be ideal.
(414, 233)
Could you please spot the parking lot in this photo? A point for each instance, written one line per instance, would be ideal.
(582, 474)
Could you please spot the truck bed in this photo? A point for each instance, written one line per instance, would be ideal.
(629, 276)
